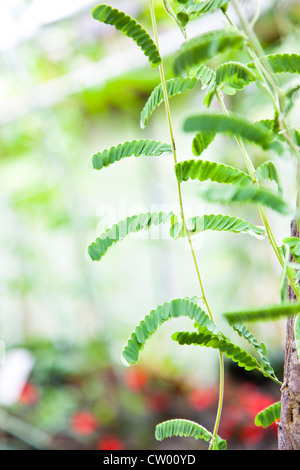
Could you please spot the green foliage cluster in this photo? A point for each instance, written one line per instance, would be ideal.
(230, 184)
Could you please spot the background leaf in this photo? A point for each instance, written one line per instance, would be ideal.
(251, 195)
(269, 415)
(235, 74)
(196, 7)
(232, 125)
(186, 428)
(203, 170)
(135, 147)
(214, 222)
(129, 27)
(120, 230)
(263, 313)
(158, 316)
(268, 171)
(206, 338)
(204, 47)
(174, 86)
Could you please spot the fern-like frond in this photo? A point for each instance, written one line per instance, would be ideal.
(203, 170)
(284, 63)
(174, 86)
(263, 313)
(214, 222)
(206, 338)
(207, 76)
(246, 195)
(143, 147)
(268, 171)
(234, 74)
(173, 309)
(198, 8)
(269, 415)
(204, 47)
(201, 141)
(294, 245)
(259, 347)
(186, 428)
(120, 230)
(129, 27)
(232, 125)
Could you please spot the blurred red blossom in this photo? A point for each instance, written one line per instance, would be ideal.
(253, 400)
(110, 442)
(136, 378)
(29, 394)
(84, 422)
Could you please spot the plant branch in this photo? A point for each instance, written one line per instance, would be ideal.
(263, 215)
(168, 113)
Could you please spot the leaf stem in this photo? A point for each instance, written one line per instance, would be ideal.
(263, 68)
(168, 113)
(263, 215)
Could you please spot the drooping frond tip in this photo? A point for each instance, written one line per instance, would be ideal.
(187, 428)
(129, 27)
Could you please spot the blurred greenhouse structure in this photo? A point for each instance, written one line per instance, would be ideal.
(69, 88)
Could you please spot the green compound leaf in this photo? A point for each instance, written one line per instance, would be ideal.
(263, 313)
(207, 76)
(268, 171)
(198, 8)
(206, 338)
(269, 415)
(173, 309)
(129, 27)
(246, 195)
(234, 74)
(232, 125)
(201, 141)
(203, 170)
(284, 63)
(174, 86)
(259, 347)
(214, 222)
(204, 47)
(294, 245)
(186, 428)
(120, 230)
(137, 148)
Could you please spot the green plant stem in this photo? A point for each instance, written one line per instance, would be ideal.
(168, 113)
(263, 214)
(263, 68)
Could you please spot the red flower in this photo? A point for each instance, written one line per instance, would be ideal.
(110, 442)
(201, 399)
(253, 401)
(29, 394)
(136, 379)
(84, 422)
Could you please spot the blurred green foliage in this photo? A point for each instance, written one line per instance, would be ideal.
(57, 111)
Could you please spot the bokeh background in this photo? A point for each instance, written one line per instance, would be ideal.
(70, 87)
